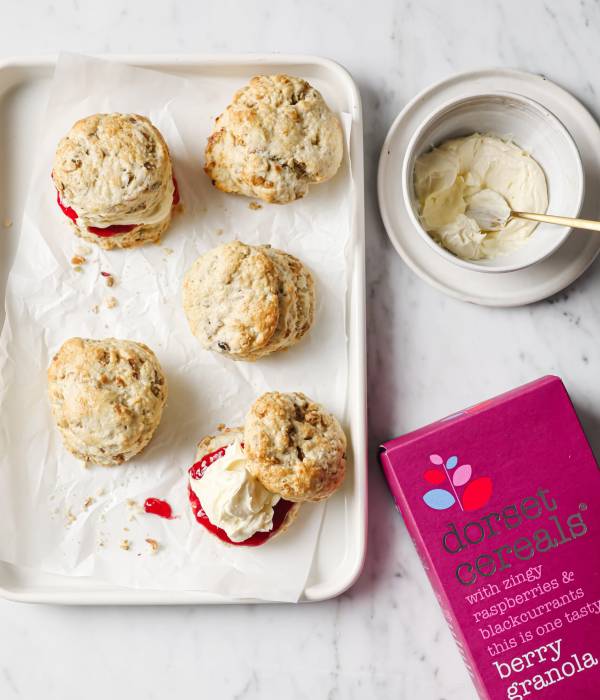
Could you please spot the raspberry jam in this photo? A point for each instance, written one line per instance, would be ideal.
(156, 506)
(197, 471)
(115, 229)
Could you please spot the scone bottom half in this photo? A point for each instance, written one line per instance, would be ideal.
(114, 180)
(210, 450)
(247, 302)
(106, 397)
(277, 137)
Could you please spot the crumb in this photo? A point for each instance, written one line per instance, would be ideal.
(77, 260)
(101, 492)
(255, 206)
(90, 500)
(219, 232)
(110, 281)
(7, 223)
(78, 268)
(111, 302)
(126, 529)
(131, 503)
(95, 309)
(168, 251)
(125, 544)
(154, 546)
(70, 517)
(83, 250)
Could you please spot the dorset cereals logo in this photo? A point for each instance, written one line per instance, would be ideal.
(470, 494)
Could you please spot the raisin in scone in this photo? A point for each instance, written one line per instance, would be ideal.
(246, 301)
(106, 397)
(276, 138)
(114, 180)
(295, 447)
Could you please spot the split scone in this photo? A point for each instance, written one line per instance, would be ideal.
(114, 180)
(248, 301)
(227, 500)
(276, 138)
(295, 447)
(107, 398)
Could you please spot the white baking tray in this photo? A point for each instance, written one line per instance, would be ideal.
(24, 84)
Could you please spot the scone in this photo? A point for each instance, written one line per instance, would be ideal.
(114, 180)
(276, 138)
(248, 301)
(107, 398)
(227, 500)
(295, 447)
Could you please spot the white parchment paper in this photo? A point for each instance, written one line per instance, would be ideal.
(62, 518)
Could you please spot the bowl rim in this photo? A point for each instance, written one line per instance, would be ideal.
(407, 178)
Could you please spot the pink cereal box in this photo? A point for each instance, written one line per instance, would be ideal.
(502, 501)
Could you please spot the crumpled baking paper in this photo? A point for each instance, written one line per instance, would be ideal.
(62, 518)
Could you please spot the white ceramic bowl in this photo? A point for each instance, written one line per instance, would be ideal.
(532, 127)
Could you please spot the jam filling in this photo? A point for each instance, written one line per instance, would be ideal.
(115, 229)
(156, 506)
(197, 471)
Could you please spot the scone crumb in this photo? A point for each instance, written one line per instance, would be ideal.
(111, 302)
(7, 223)
(110, 281)
(95, 309)
(77, 260)
(168, 251)
(70, 517)
(78, 268)
(101, 492)
(90, 500)
(125, 544)
(83, 250)
(219, 232)
(154, 546)
(255, 206)
(132, 503)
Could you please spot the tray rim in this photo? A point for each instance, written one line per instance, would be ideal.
(114, 595)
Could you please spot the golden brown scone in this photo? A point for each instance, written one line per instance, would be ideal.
(295, 447)
(276, 138)
(106, 397)
(230, 299)
(227, 436)
(247, 302)
(115, 170)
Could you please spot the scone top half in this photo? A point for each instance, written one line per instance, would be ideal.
(107, 398)
(295, 447)
(276, 138)
(114, 170)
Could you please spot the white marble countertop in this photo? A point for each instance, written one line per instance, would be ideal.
(428, 355)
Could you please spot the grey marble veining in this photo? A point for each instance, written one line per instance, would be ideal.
(428, 356)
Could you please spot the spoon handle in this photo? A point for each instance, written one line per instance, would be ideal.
(560, 220)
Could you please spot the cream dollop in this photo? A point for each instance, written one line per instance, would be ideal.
(447, 177)
(232, 498)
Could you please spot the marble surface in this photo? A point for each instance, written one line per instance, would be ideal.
(428, 355)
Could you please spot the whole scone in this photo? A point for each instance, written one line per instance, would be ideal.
(230, 298)
(295, 447)
(114, 180)
(107, 398)
(276, 138)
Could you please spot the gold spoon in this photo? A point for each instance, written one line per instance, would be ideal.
(491, 212)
